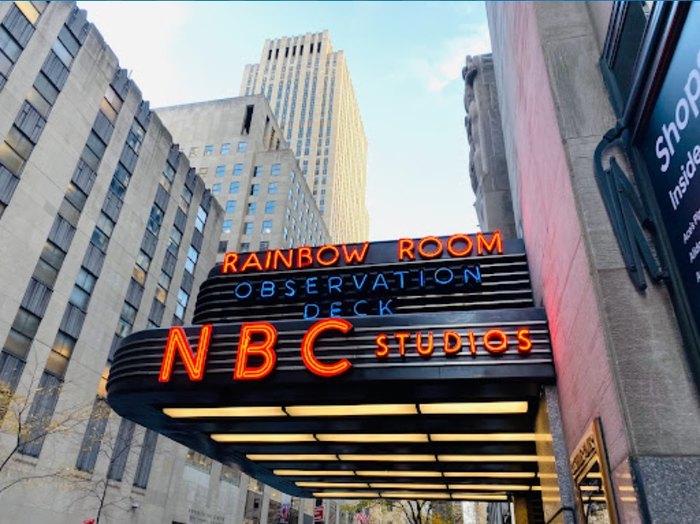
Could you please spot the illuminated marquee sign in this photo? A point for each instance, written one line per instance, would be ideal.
(412, 322)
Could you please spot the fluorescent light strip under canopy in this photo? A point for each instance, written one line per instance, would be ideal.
(346, 494)
(494, 458)
(349, 410)
(394, 473)
(313, 473)
(291, 457)
(254, 438)
(337, 485)
(414, 495)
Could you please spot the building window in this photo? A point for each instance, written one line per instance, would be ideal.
(120, 453)
(228, 224)
(230, 206)
(264, 245)
(201, 219)
(182, 299)
(245, 246)
(258, 171)
(254, 189)
(203, 171)
(225, 148)
(191, 262)
(270, 207)
(272, 188)
(194, 152)
(143, 469)
(237, 169)
(216, 189)
(233, 187)
(242, 146)
(252, 207)
(267, 226)
(208, 150)
(223, 246)
(248, 229)
(220, 170)
(275, 171)
(90, 447)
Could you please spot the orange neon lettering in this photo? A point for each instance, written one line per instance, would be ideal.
(459, 238)
(279, 257)
(330, 261)
(268, 259)
(498, 346)
(382, 350)
(489, 245)
(472, 343)
(177, 343)
(429, 254)
(354, 255)
(230, 260)
(264, 348)
(406, 249)
(252, 261)
(525, 343)
(424, 351)
(307, 348)
(452, 341)
(402, 337)
(304, 258)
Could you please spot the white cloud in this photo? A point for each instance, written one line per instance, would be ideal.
(142, 35)
(448, 66)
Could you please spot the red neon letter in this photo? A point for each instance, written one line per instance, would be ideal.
(278, 258)
(264, 349)
(304, 258)
(406, 249)
(489, 245)
(382, 350)
(456, 238)
(424, 351)
(501, 343)
(472, 343)
(402, 337)
(229, 266)
(177, 342)
(307, 348)
(428, 254)
(525, 343)
(355, 255)
(453, 342)
(252, 261)
(335, 255)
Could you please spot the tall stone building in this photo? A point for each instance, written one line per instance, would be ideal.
(310, 90)
(238, 149)
(105, 229)
(488, 171)
(595, 99)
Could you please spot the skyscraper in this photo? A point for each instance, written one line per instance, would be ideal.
(310, 91)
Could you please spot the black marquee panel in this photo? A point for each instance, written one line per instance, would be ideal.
(472, 297)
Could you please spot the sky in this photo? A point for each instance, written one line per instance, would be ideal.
(405, 60)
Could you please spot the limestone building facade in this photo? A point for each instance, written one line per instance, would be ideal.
(239, 151)
(105, 228)
(309, 88)
(576, 84)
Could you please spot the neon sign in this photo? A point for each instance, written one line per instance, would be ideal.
(258, 340)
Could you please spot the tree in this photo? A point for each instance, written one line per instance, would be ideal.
(115, 446)
(25, 427)
(413, 511)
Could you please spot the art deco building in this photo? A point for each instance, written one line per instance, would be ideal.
(597, 107)
(310, 90)
(105, 229)
(238, 149)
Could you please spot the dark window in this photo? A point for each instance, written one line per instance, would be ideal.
(120, 453)
(92, 439)
(247, 120)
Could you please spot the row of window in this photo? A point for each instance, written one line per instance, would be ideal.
(224, 149)
(248, 227)
(258, 171)
(233, 187)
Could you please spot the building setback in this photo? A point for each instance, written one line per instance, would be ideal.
(575, 80)
(238, 149)
(105, 228)
(310, 91)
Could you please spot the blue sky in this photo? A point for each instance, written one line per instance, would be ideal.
(405, 59)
